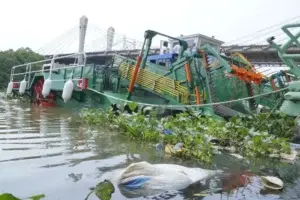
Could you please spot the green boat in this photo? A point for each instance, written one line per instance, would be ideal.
(198, 77)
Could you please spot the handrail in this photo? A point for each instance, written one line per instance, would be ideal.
(74, 79)
(68, 67)
(50, 59)
(12, 74)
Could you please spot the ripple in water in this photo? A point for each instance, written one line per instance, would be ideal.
(48, 151)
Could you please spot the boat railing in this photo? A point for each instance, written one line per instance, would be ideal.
(27, 70)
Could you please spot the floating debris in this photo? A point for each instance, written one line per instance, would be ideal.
(237, 155)
(171, 149)
(159, 146)
(295, 146)
(113, 127)
(292, 156)
(272, 182)
(231, 149)
(167, 132)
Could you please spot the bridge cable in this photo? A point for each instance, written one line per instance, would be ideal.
(274, 26)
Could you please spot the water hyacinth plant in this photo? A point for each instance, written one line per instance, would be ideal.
(254, 135)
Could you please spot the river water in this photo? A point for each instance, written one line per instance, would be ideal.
(48, 151)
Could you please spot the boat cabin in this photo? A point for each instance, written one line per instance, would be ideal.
(193, 41)
(196, 40)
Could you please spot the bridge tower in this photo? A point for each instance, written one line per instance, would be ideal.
(82, 32)
(110, 38)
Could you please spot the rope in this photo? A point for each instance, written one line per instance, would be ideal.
(272, 111)
(188, 106)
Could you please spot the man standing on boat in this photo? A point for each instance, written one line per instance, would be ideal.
(194, 48)
(176, 48)
(164, 48)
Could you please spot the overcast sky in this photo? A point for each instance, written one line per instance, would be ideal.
(33, 23)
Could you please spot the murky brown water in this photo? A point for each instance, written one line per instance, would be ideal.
(49, 151)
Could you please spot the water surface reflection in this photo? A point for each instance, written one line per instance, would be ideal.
(49, 151)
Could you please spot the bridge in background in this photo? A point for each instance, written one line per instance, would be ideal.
(257, 54)
(100, 44)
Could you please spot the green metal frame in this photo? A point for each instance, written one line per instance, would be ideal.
(288, 59)
(291, 104)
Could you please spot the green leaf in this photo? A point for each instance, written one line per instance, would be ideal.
(132, 105)
(37, 197)
(8, 196)
(104, 190)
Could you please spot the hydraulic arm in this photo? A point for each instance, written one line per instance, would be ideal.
(142, 58)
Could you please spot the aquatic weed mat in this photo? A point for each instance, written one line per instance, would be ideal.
(201, 136)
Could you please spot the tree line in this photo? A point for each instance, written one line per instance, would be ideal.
(10, 58)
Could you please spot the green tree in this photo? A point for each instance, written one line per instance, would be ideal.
(10, 58)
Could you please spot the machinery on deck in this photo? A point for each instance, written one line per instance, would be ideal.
(197, 75)
(202, 76)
